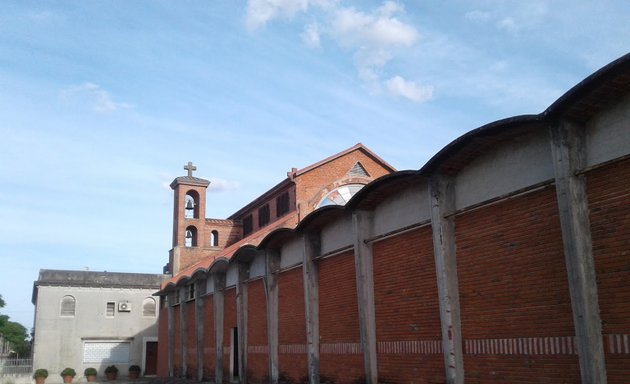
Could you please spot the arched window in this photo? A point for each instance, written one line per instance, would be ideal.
(68, 305)
(148, 307)
(191, 205)
(190, 237)
(341, 195)
(214, 238)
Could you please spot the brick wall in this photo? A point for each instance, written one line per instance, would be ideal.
(609, 203)
(515, 307)
(292, 360)
(191, 341)
(340, 354)
(177, 344)
(209, 355)
(407, 309)
(162, 366)
(310, 185)
(257, 361)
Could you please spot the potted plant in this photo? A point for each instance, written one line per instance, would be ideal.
(68, 374)
(134, 371)
(111, 372)
(90, 374)
(40, 375)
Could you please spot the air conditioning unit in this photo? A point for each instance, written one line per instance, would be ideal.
(124, 307)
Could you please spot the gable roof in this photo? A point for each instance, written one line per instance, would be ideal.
(298, 172)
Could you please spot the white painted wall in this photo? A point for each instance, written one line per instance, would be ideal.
(59, 340)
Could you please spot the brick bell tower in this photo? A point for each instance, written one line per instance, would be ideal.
(189, 216)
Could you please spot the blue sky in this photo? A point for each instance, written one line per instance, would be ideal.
(102, 104)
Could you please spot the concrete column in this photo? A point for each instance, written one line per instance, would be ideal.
(170, 314)
(241, 320)
(199, 287)
(311, 303)
(183, 331)
(569, 155)
(442, 192)
(272, 272)
(218, 312)
(362, 222)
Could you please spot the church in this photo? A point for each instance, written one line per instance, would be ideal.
(502, 259)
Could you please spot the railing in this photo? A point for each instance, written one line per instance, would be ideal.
(11, 366)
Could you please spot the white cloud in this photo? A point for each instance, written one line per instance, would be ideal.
(100, 99)
(373, 37)
(221, 185)
(398, 86)
(259, 12)
(507, 24)
(310, 36)
(353, 28)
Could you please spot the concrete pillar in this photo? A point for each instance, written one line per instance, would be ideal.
(183, 331)
(241, 320)
(170, 314)
(218, 312)
(442, 192)
(362, 222)
(272, 272)
(569, 155)
(200, 286)
(311, 303)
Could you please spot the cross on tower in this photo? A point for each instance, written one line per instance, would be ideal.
(190, 168)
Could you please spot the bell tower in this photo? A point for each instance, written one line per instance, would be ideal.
(189, 216)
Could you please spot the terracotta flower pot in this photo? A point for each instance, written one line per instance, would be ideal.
(91, 378)
(111, 376)
(67, 379)
(40, 380)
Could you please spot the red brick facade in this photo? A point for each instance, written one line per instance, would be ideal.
(462, 271)
(609, 201)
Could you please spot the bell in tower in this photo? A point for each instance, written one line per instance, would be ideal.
(190, 207)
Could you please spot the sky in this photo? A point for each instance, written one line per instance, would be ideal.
(102, 103)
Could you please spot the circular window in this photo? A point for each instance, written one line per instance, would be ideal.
(341, 195)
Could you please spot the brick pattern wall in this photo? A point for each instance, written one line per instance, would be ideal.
(271, 201)
(340, 353)
(229, 232)
(191, 342)
(257, 361)
(515, 307)
(292, 359)
(177, 343)
(609, 203)
(209, 355)
(311, 183)
(162, 365)
(407, 309)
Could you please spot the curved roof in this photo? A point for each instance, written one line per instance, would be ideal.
(579, 104)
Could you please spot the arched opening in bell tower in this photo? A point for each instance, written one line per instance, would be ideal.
(191, 205)
(190, 237)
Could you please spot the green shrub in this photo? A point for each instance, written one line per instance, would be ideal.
(68, 372)
(111, 369)
(41, 372)
(90, 372)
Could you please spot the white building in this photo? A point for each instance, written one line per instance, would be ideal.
(95, 319)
